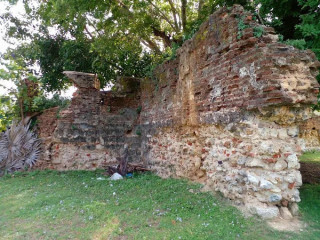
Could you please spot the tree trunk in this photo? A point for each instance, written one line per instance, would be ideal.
(200, 7)
(21, 109)
(184, 15)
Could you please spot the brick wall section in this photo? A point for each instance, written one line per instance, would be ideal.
(216, 73)
(225, 112)
(47, 123)
(90, 133)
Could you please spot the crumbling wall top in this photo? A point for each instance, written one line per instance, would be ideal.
(83, 80)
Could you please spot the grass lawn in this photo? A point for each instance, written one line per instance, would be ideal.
(310, 156)
(75, 205)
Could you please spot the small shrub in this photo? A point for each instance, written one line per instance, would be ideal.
(280, 37)
(41, 103)
(19, 148)
(241, 27)
(297, 43)
(173, 51)
(139, 109)
(138, 131)
(258, 31)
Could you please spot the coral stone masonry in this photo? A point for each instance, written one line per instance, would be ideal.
(225, 112)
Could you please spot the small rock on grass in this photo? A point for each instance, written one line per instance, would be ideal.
(285, 213)
(116, 176)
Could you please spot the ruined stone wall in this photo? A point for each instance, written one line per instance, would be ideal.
(47, 123)
(90, 133)
(225, 112)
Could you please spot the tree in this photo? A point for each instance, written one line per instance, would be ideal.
(6, 112)
(26, 100)
(111, 38)
(298, 21)
(127, 37)
(309, 27)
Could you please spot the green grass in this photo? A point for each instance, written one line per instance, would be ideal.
(75, 205)
(311, 157)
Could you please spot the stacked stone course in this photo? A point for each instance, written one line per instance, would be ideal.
(225, 112)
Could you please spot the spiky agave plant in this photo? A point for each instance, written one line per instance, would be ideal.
(19, 148)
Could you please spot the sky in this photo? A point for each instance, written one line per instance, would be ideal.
(18, 9)
(3, 46)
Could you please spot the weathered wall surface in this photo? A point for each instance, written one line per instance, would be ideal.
(90, 133)
(226, 112)
(47, 123)
(310, 132)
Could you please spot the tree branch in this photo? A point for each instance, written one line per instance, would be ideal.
(150, 44)
(259, 17)
(87, 31)
(174, 13)
(94, 27)
(123, 5)
(145, 40)
(166, 39)
(163, 16)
